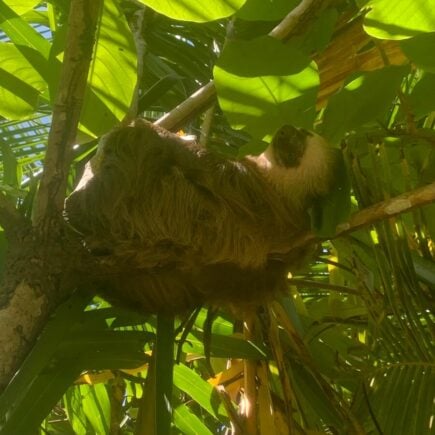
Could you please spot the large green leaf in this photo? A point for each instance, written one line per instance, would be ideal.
(401, 398)
(223, 346)
(422, 99)
(21, 6)
(313, 396)
(192, 10)
(202, 392)
(263, 84)
(263, 56)
(20, 32)
(271, 10)
(420, 50)
(46, 389)
(399, 19)
(96, 406)
(112, 74)
(75, 412)
(20, 84)
(364, 99)
(188, 422)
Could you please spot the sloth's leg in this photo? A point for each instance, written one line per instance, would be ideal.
(227, 283)
(173, 290)
(154, 290)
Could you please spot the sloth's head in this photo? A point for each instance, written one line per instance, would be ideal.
(299, 163)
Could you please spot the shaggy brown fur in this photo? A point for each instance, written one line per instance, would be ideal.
(190, 227)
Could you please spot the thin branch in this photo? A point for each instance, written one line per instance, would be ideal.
(378, 212)
(196, 103)
(386, 209)
(297, 20)
(204, 97)
(206, 126)
(82, 23)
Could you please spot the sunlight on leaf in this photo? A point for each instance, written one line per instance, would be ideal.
(113, 73)
(400, 19)
(188, 422)
(364, 99)
(266, 10)
(20, 84)
(21, 6)
(192, 10)
(22, 33)
(264, 84)
(201, 391)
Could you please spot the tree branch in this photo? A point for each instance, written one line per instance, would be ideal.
(205, 96)
(82, 22)
(383, 210)
(196, 103)
(297, 20)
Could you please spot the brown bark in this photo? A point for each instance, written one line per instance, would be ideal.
(375, 213)
(66, 113)
(38, 269)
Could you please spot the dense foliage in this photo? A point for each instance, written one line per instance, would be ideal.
(349, 350)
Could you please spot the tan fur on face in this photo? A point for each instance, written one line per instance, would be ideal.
(189, 226)
(311, 178)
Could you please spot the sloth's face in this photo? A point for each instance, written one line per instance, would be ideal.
(299, 163)
(289, 145)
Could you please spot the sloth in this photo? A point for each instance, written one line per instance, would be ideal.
(185, 226)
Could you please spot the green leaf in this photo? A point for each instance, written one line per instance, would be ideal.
(333, 208)
(113, 73)
(188, 422)
(364, 99)
(422, 98)
(22, 33)
(38, 359)
(41, 396)
(224, 346)
(424, 268)
(318, 35)
(20, 7)
(75, 412)
(263, 84)
(420, 50)
(200, 391)
(262, 56)
(192, 10)
(271, 10)
(96, 406)
(152, 95)
(400, 19)
(20, 84)
(220, 325)
(314, 396)
(394, 392)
